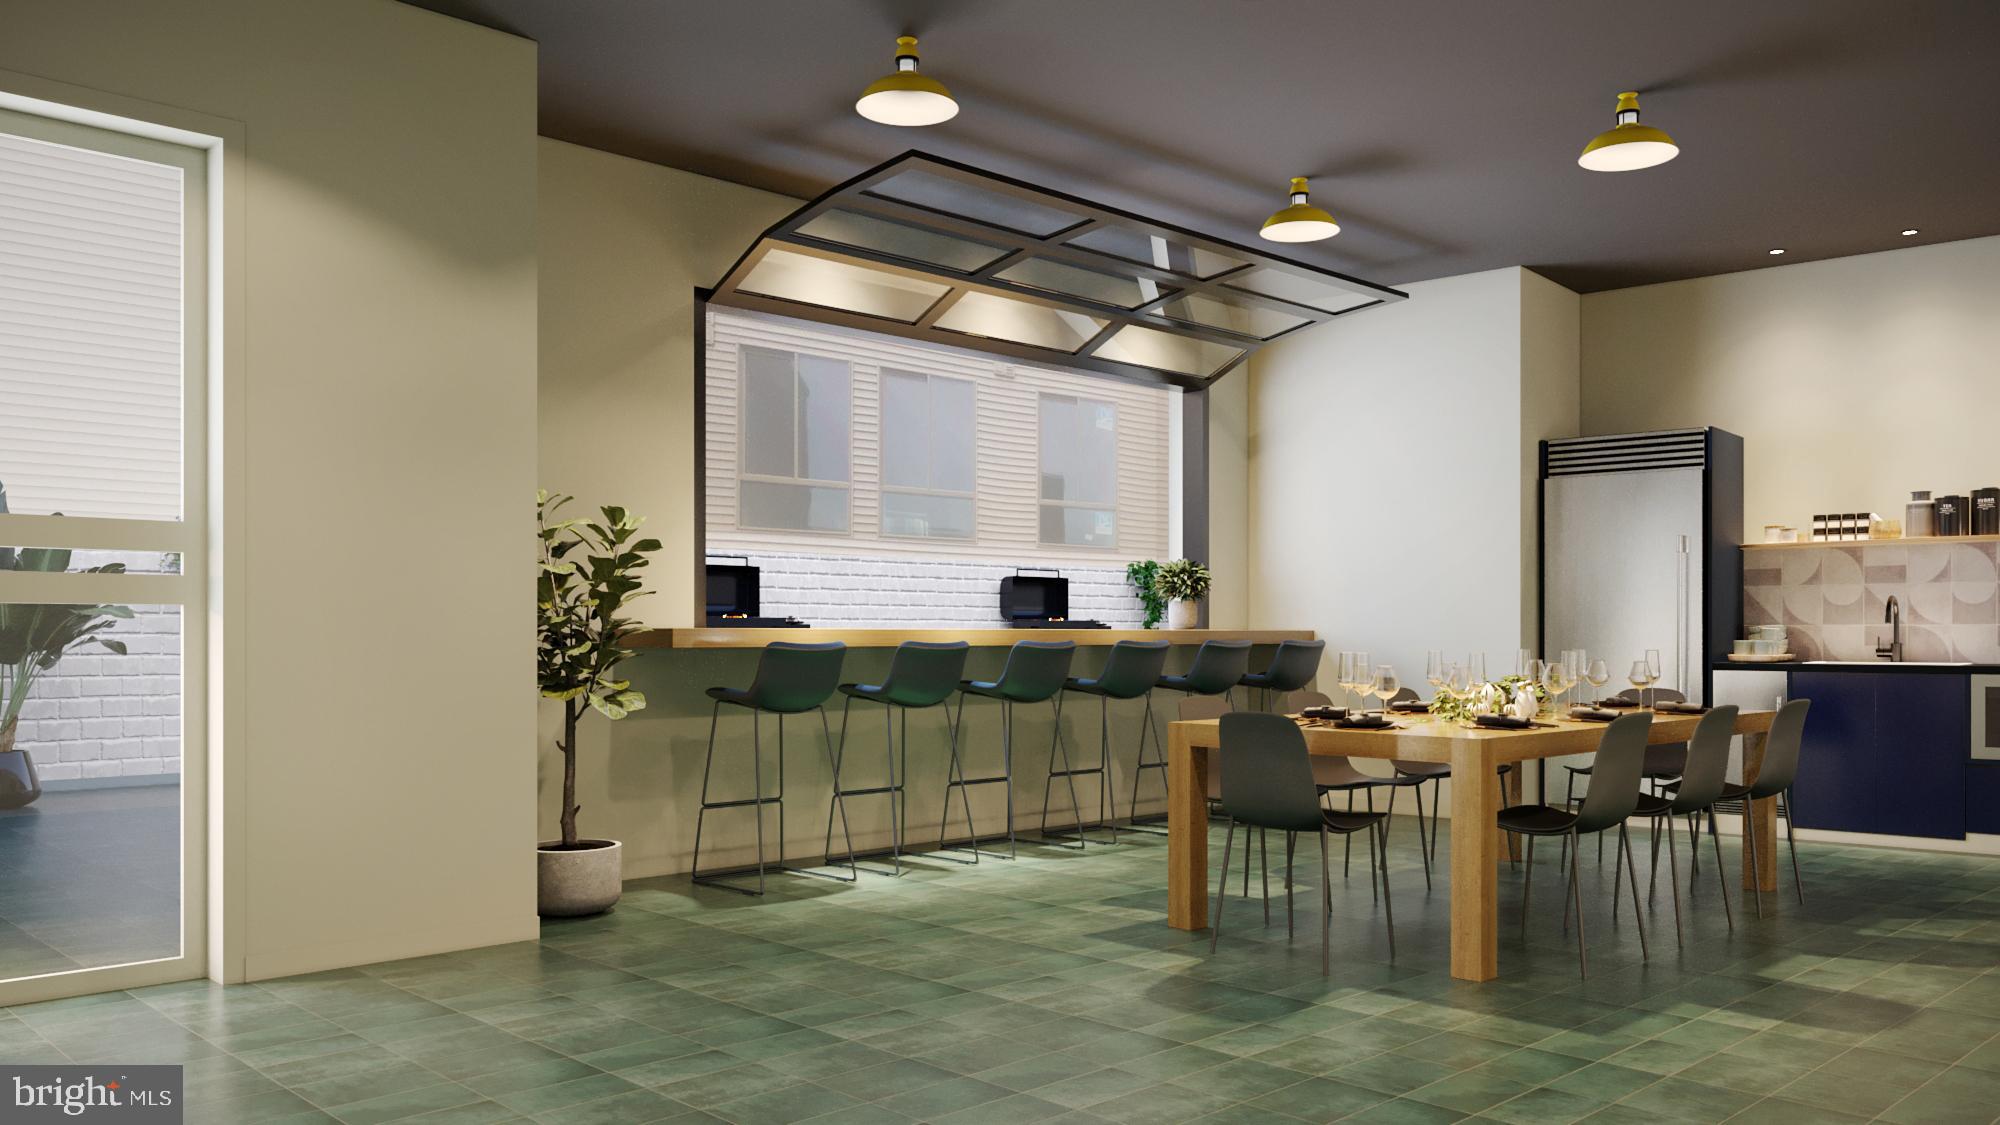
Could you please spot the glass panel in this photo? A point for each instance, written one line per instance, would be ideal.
(1082, 527)
(954, 422)
(905, 407)
(851, 228)
(1104, 288)
(823, 418)
(90, 788)
(1260, 321)
(1154, 250)
(1322, 295)
(1023, 322)
(809, 280)
(935, 517)
(983, 205)
(769, 405)
(90, 332)
(1150, 347)
(792, 507)
(1079, 450)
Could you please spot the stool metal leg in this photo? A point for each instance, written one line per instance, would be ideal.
(846, 830)
(893, 790)
(1148, 725)
(1067, 773)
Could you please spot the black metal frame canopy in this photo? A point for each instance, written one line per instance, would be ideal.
(931, 249)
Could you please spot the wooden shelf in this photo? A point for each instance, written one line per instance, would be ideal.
(1914, 540)
(978, 638)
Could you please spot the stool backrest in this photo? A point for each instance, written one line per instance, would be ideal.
(1614, 773)
(1781, 750)
(1294, 665)
(924, 673)
(1707, 767)
(1036, 670)
(1132, 668)
(1267, 777)
(794, 677)
(1298, 701)
(1217, 666)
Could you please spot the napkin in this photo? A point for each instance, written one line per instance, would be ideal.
(1415, 706)
(1326, 713)
(1614, 701)
(1680, 708)
(1593, 714)
(1365, 722)
(1504, 722)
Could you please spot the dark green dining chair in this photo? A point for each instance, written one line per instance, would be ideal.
(1704, 773)
(922, 675)
(1034, 673)
(1130, 671)
(1774, 782)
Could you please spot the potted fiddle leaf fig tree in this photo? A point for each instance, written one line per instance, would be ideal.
(586, 581)
(33, 640)
(1183, 583)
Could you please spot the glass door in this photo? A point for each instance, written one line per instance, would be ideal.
(103, 558)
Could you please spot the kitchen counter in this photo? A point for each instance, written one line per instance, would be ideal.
(978, 638)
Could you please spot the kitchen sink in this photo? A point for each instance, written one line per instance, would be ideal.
(1900, 663)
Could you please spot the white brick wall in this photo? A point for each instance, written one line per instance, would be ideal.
(98, 715)
(837, 590)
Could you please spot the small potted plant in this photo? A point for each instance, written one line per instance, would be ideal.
(1141, 574)
(586, 580)
(1183, 583)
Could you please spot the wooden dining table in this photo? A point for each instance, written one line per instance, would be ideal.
(1474, 754)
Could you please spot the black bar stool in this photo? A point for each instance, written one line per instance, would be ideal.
(1217, 668)
(791, 679)
(1613, 796)
(922, 674)
(1034, 673)
(1292, 667)
(1129, 672)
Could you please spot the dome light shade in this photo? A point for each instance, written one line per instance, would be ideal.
(1628, 146)
(1301, 221)
(906, 97)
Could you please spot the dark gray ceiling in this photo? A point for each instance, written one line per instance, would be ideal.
(1442, 133)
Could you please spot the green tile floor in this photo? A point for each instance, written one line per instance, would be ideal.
(1050, 989)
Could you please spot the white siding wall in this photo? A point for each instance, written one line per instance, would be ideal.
(861, 591)
(1008, 489)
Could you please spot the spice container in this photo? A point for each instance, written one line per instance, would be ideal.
(1919, 517)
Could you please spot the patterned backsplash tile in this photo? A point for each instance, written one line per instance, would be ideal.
(1834, 598)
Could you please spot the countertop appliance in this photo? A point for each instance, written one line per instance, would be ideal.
(733, 597)
(1034, 598)
(1642, 539)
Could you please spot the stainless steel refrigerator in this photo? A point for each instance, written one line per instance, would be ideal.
(1642, 539)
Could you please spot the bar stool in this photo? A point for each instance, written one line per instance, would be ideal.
(1034, 673)
(1217, 668)
(1129, 672)
(922, 674)
(791, 679)
(1694, 793)
(1292, 667)
(1613, 796)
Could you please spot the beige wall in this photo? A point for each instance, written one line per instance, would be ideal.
(1550, 404)
(1852, 381)
(1229, 501)
(377, 704)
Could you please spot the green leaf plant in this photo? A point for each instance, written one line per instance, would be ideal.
(1182, 580)
(1141, 574)
(586, 581)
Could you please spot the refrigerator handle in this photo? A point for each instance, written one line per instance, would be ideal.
(1681, 616)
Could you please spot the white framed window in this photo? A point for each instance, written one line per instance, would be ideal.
(929, 425)
(1078, 457)
(797, 418)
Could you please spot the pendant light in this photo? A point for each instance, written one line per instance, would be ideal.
(906, 97)
(1301, 221)
(1628, 145)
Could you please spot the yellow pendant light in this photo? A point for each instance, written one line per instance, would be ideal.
(906, 97)
(1301, 221)
(1628, 145)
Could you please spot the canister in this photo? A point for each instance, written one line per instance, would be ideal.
(1919, 520)
(1986, 511)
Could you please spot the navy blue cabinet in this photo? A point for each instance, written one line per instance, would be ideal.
(1884, 752)
(1982, 797)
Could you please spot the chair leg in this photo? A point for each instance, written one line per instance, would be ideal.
(1638, 916)
(1068, 775)
(1326, 909)
(701, 813)
(838, 802)
(757, 776)
(1417, 795)
(954, 777)
(1569, 876)
(1576, 896)
(1721, 876)
(1653, 874)
(1674, 878)
(895, 816)
(1264, 870)
(1694, 847)
(1617, 881)
(1750, 846)
(1792, 844)
(1291, 844)
(1372, 895)
(1347, 843)
(1388, 913)
(1222, 886)
(1527, 887)
(1007, 769)
(1107, 799)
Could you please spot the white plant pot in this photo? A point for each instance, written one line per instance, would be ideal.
(1181, 614)
(584, 880)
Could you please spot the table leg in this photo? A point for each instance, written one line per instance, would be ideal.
(1187, 832)
(1475, 885)
(1761, 818)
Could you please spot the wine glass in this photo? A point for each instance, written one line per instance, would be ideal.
(1640, 677)
(1434, 669)
(1458, 679)
(1475, 668)
(1653, 664)
(1384, 685)
(1597, 673)
(1358, 676)
(1345, 676)
(1524, 662)
(1557, 679)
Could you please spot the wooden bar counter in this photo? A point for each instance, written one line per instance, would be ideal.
(977, 638)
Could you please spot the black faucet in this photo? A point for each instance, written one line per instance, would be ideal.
(1892, 613)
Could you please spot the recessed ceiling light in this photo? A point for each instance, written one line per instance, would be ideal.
(1775, 253)
(1628, 146)
(1909, 232)
(906, 97)
(1301, 221)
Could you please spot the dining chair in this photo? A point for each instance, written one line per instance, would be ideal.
(1267, 782)
(1337, 774)
(1774, 781)
(1663, 762)
(1694, 793)
(1437, 773)
(1611, 800)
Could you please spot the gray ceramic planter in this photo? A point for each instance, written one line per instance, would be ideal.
(585, 879)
